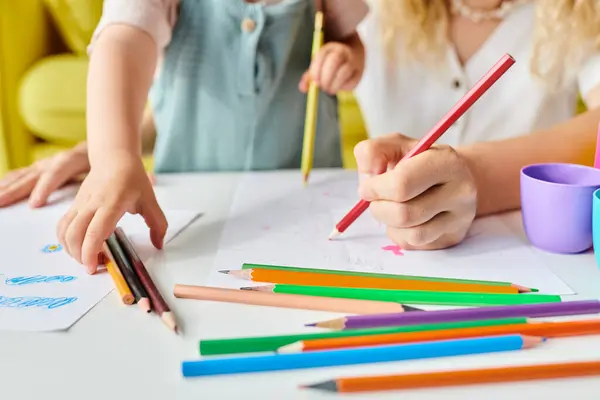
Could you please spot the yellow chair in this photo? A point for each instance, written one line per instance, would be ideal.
(43, 67)
(42, 77)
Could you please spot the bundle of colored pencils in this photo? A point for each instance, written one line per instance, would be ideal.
(505, 322)
(359, 292)
(385, 287)
(464, 334)
(132, 280)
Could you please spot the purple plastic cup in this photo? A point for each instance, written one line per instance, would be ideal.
(556, 204)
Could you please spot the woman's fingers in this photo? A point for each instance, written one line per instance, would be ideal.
(416, 211)
(20, 187)
(48, 183)
(413, 176)
(373, 156)
(13, 176)
(439, 232)
(64, 167)
(427, 201)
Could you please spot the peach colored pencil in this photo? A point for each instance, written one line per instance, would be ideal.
(286, 300)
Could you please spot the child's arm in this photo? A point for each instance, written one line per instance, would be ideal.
(122, 65)
(121, 70)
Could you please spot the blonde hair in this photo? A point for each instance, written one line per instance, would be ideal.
(565, 32)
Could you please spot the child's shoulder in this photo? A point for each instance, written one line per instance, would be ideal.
(155, 17)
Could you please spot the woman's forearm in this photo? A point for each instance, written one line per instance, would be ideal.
(496, 165)
(121, 70)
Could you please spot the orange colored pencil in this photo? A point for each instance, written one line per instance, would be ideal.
(351, 281)
(545, 329)
(455, 378)
(117, 277)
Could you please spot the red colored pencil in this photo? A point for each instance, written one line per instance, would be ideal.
(437, 131)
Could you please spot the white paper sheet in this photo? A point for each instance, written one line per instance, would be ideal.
(274, 220)
(41, 287)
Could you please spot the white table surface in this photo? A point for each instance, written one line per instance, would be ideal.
(116, 352)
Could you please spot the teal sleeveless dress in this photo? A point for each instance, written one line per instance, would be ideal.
(227, 96)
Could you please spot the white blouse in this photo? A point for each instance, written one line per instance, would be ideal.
(411, 99)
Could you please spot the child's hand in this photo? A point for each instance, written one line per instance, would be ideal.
(335, 68)
(109, 191)
(40, 180)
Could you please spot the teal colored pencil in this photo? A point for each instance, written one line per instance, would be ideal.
(360, 355)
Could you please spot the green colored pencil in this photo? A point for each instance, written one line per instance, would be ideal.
(412, 296)
(408, 277)
(272, 343)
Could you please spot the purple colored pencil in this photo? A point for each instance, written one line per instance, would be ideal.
(463, 314)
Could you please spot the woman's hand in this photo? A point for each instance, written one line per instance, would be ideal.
(427, 202)
(336, 67)
(118, 186)
(41, 179)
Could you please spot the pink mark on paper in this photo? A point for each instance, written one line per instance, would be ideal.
(266, 228)
(394, 249)
(326, 194)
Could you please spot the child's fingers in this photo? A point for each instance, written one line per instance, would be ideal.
(99, 229)
(304, 81)
(342, 77)
(151, 178)
(316, 65)
(156, 221)
(331, 65)
(76, 232)
(62, 227)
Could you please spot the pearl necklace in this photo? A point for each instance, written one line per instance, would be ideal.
(460, 8)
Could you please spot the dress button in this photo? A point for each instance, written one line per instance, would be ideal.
(248, 25)
(456, 84)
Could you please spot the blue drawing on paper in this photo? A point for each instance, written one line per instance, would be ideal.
(52, 248)
(34, 301)
(29, 280)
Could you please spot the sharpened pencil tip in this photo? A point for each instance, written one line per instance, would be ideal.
(247, 288)
(521, 289)
(313, 324)
(144, 305)
(410, 308)
(305, 179)
(224, 271)
(296, 347)
(334, 233)
(329, 386)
